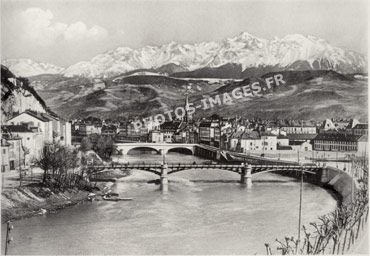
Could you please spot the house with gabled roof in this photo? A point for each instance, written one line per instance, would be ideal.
(40, 120)
(52, 128)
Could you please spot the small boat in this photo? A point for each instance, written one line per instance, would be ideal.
(91, 196)
(112, 194)
(42, 211)
(115, 199)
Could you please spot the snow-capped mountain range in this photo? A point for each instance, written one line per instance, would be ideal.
(291, 52)
(28, 67)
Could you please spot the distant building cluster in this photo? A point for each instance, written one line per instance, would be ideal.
(25, 134)
(237, 134)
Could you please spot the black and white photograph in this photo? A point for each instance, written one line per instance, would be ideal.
(184, 127)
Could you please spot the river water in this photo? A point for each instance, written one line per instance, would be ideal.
(204, 212)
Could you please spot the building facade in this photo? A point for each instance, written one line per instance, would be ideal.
(210, 133)
(336, 142)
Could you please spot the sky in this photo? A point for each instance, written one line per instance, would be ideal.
(63, 32)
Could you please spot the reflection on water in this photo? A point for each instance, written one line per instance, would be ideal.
(205, 212)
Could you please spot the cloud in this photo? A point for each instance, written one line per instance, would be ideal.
(37, 26)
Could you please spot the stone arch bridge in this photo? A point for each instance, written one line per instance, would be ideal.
(245, 170)
(161, 148)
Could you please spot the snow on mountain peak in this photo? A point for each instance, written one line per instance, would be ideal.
(244, 49)
(27, 67)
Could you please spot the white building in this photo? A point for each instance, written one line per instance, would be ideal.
(301, 146)
(41, 121)
(269, 141)
(32, 139)
(51, 128)
(363, 145)
(253, 141)
(156, 137)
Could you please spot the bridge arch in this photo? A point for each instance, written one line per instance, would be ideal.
(277, 170)
(156, 172)
(188, 151)
(236, 171)
(149, 148)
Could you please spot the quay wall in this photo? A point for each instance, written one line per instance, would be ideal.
(341, 181)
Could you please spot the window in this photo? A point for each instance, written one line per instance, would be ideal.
(4, 151)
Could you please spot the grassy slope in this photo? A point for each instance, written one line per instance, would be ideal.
(329, 99)
(305, 97)
(135, 96)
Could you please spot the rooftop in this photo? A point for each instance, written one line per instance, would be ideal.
(41, 116)
(307, 136)
(361, 126)
(338, 137)
(251, 136)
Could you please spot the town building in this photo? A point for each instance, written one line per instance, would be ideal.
(298, 127)
(363, 145)
(5, 165)
(109, 130)
(308, 137)
(52, 128)
(250, 141)
(156, 137)
(269, 141)
(300, 146)
(169, 128)
(40, 120)
(136, 134)
(360, 129)
(210, 133)
(253, 141)
(32, 139)
(282, 140)
(336, 142)
(86, 129)
(16, 153)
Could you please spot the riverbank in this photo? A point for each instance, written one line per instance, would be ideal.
(35, 199)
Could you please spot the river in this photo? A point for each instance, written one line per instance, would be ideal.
(204, 212)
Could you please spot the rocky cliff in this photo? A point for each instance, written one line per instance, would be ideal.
(17, 96)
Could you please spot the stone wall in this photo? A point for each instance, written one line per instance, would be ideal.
(341, 182)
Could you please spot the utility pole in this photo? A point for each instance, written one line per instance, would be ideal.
(8, 239)
(300, 207)
(19, 163)
(352, 184)
(298, 155)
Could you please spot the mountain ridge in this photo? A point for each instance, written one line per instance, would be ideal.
(317, 94)
(245, 55)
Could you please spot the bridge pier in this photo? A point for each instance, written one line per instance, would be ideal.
(164, 178)
(242, 173)
(248, 176)
(218, 155)
(163, 151)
